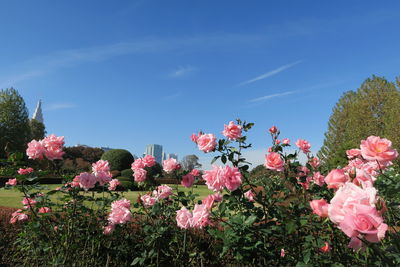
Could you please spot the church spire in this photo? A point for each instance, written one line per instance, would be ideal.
(38, 115)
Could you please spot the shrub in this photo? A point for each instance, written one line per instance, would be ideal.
(119, 159)
(126, 183)
(127, 173)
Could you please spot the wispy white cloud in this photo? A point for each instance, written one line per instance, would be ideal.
(266, 97)
(59, 106)
(271, 73)
(181, 71)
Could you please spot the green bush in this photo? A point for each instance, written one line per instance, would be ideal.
(127, 173)
(119, 159)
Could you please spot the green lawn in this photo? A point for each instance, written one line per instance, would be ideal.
(12, 198)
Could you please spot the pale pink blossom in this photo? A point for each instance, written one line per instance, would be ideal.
(149, 161)
(140, 175)
(54, 146)
(44, 210)
(286, 141)
(169, 165)
(12, 182)
(277, 142)
(137, 164)
(233, 178)
(101, 166)
(28, 202)
(356, 244)
(303, 145)
(304, 182)
(87, 180)
(114, 183)
(195, 172)
(318, 179)
(18, 216)
(207, 142)
(209, 200)
(273, 130)
(120, 212)
(184, 218)
(215, 179)
(103, 177)
(75, 182)
(194, 138)
(319, 207)
(163, 191)
(217, 197)
(269, 149)
(108, 229)
(378, 149)
(282, 252)
(148, 200)
(353, 153)
(336, 178)
(249, 195)
(273, 161)
(303, 171)
(187, 180)
(314, 162)
(25, 171)
(200, 216)
(232, 131)
(35, 150)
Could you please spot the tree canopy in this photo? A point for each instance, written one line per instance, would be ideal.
(38, 130)
(374, 109)
(14, 123)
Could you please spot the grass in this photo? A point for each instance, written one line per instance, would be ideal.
(12, 197)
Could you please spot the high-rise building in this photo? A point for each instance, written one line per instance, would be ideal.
(155, 151)
(38, 115)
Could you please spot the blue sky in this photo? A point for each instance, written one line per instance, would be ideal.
(125, 74)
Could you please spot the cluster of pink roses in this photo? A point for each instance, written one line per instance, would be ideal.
(220, 177)
(100, 173)
(199, 218)
(120, 213)
(50, 147)
(162, 192)
(18, 216)
(139, 173)
(12, 182)
(25, 171)
(353, 208)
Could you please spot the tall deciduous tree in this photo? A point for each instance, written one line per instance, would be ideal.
(374, 109)
(14, 122)
(190, 162)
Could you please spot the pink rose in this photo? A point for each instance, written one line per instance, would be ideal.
(28, 202)
(217, 197)
(149, 161)
(170, 165)
(87, 180)
(303, 171)
(18, 216)
(319, 207)
(215, 179)
(163, 191)
(355, 243)
(314, 162)
(187, 180)
(120, 212)
(195, 172)
(183, 218)
(326, 248)
(44, 210)
(140, 175)
(232, 131)
(273, 161)
(273, 130)
(12, 182)
(353, 153)
(25, 171)
(148, 200)
(113, 184)
(336, 178)
(250, 195)
(103, 177)
(101, 166)
(54, 147)
(75, 182)
(303, 145)
(207, 142)
(376, 148)
(35, 150)
(269, 149)
(346, 197)
(210, 199)
(318, 179)
(277, 142)
(200, 216)
(286, 141)
(194, 138)
(108, 229)
(232, 178)
(137, 164)
(282, 252)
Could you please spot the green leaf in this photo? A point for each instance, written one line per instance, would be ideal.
(223, 159)
(214, 159)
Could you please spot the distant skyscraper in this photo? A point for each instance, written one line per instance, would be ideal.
(173, 156)
(38, 115)
(155, 151)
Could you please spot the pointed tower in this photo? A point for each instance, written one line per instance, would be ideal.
(38, 115)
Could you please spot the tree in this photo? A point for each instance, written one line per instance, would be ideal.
(38, 130)
(14, 123)
(190, 162)
(374, 109)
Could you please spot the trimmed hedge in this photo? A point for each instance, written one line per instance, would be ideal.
(127, 173)
(119, 159)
